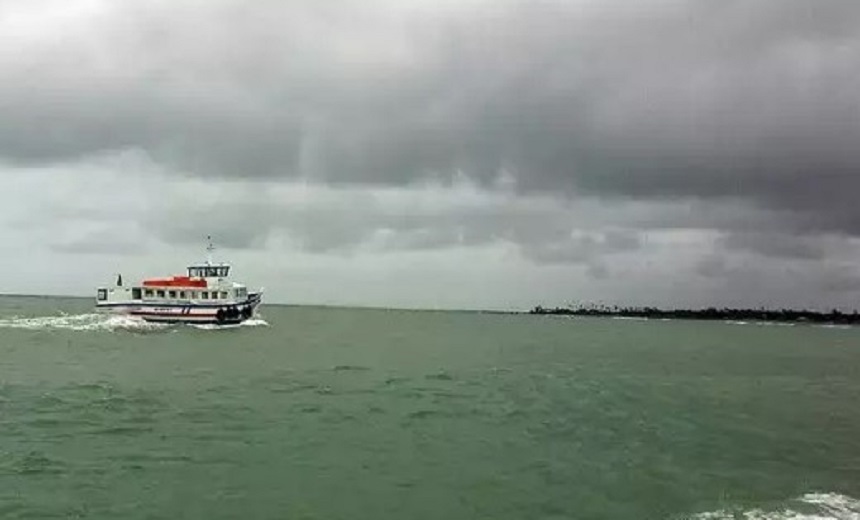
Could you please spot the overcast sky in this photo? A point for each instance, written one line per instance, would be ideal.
(447, 154)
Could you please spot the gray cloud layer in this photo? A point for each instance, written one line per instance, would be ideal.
(662, 99)
(745, 111)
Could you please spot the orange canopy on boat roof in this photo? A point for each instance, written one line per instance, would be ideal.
(175, 281)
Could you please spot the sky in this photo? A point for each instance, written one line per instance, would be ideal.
(470, 154)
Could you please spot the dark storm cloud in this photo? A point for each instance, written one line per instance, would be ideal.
(341, 221)
(739, 282)
(745, 111)
(712, 266)
(585, 248)
(664, 99)
(778, 245)
(321, 220)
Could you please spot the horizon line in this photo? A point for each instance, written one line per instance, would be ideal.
(608, 307)
(299, 304)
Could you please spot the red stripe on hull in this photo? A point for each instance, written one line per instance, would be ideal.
(174, 314)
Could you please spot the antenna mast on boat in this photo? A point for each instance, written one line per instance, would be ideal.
(209, 250)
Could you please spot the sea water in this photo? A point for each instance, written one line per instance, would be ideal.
(323, 413)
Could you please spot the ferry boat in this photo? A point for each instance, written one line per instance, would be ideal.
(205, 295)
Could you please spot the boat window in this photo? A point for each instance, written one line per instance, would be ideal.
(148, 293)
(205, 295)
(160, 294)
(135, 293)
(172, 294)
(220, 272)
(102, 294)
(182, 294)
(224, 295)
(209, 271)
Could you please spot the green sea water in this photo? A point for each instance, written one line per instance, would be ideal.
(322, 413)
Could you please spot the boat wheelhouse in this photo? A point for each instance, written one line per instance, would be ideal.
(206, 294)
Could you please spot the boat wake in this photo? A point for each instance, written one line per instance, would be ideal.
(812, 506)
(106, 322)
(81, 322)
(251, 322)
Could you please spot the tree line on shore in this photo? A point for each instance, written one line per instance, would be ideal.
(834, 317)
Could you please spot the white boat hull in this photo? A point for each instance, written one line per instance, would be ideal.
(221, 313)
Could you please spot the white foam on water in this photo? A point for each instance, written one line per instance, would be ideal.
(836, 503)
(812, 506)
(255, 322)
(106, 322)
(834, 326)
(80, 322)
(252, 322)
(774, 324)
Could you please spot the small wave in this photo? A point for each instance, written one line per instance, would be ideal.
(774, 324)
(812, 506)
(760, 323)
(835, 326)
(350, 368)
(81, 322)
(440, 376)
(253, 322)
(36, 462)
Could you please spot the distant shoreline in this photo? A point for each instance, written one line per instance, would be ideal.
(834, 317)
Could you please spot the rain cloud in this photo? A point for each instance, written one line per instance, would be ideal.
(608, 140)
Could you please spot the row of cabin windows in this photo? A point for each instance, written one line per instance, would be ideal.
(208, 271)
(190, 295)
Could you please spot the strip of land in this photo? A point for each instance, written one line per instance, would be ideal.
(834, 317)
